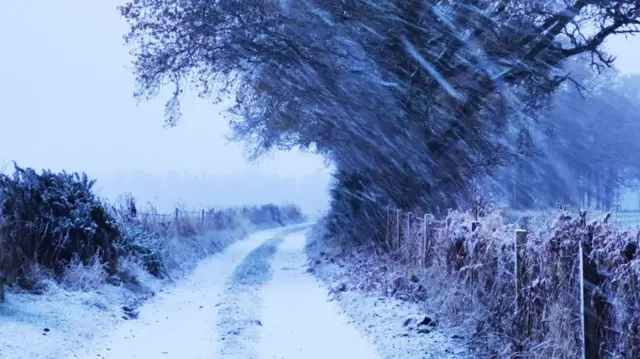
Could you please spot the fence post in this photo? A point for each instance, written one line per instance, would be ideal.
(398, 219)
(177, 214)
(202, 218)
(407, 231)
(461, 254)
(520, 276)
(2, 280)
(593, 307)
(471, 255)
(423, 250)
(388, 227)
(629, 254)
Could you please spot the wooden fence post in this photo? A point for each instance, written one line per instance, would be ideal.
(593, 307)
(407, 231)
(387, 235)
(520, 277)
(177, 214)
(202, 218)
(2, 280)
(633, 350)
(423, 250)
(398, 219)
(471, 255)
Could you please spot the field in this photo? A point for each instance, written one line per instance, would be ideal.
(622, 219)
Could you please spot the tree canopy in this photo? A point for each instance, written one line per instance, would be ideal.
(411, 100)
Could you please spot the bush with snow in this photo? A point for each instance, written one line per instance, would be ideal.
(51, 220)
(54, 224)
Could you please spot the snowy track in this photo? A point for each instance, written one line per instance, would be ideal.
(181, 322)
(254, 300)
(298, 321)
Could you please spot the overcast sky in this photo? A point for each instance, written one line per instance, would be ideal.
(66, 103)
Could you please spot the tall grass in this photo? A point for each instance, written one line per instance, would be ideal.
(467, 278)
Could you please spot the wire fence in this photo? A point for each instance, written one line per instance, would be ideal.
(177, 214)
(469, 251)
(219, 219)
(216, 219)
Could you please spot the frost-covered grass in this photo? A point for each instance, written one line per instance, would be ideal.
(60, 244)
(166, 250)
(472, 291)
(109, 322)
(385, 299)
(48, 326)
(622, 219)
(53, 224)
(478, 282)
(175, 244)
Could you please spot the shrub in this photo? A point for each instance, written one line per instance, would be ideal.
(51, 219)
(141, 243)
(292, 213)
(83, 277)
(53, 223)
(271, 213)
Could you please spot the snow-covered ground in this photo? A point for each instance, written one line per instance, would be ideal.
(183, 321)
(257, 299)
(53, 325)
(60, 324)
(298, 321)
(400, 329)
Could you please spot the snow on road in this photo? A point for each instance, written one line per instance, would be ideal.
(240, 309)
(180, 323)
(255, 300)
(297, 320)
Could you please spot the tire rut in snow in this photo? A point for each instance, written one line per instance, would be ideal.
(240, 307)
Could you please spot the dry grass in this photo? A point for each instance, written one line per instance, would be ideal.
(53, 227)
(174, 243)
(467, 278)
(84, 277)
(166, 246)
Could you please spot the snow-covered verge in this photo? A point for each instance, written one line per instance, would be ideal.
(50, 324)
(376, 294)
(63, 316)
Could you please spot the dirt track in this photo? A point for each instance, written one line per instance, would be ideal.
(254, 300)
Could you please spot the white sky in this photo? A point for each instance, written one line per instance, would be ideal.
(66, 103)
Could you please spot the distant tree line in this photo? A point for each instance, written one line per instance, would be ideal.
(585, 151)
